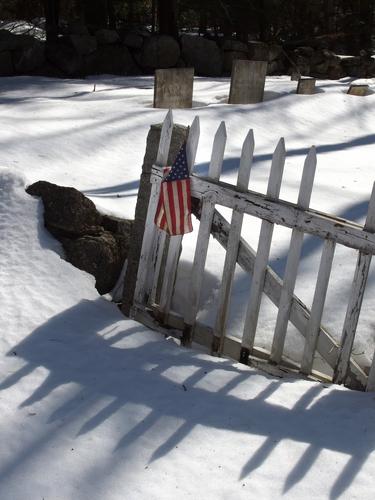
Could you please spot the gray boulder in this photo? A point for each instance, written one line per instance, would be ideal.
(306, 51)
(95, 243)
(204, 55)
(83, 44)
(107, 37)
(232, 50)
(64, 57)
(67, 212)
(30, 59)
(110, 59)
(229, 57)
(6, 64)
(274, 52)
(77, 28)
(234, 46)
(159, 51)
(258, 51)
(133, 40)
(100, 255)
(276, 67)
(353, 67)
(11, 42)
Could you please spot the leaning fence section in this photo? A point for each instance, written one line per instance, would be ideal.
(160, 254)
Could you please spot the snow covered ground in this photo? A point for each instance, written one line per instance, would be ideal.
(95, 406)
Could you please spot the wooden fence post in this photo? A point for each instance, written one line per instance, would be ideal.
(175, 242)
(178, 137)
(355, 301)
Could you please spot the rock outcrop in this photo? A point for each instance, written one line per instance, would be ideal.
(95, 243)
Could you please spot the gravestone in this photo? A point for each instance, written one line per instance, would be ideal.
(306, 86)
(247, 82)
(359, 90)
(173, 88)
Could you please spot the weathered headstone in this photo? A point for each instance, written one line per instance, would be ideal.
(173, 88)
(359, 90)
(247, 82)
(306, 85)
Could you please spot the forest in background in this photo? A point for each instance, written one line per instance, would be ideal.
(347, 26)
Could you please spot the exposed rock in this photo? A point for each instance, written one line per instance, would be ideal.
(371, 69)
(111, 59)
(77, 28)
(65, 58)
(159, 51)
(83, 44)
(204, 55)
(133, 40)
(302, 64)
(258, 51)
(98, 255)
(180, 63)
(6, 64)
(116, 225)
(107, 37)
(67, 212)
(234, 46)
(274, 52)
(10, 42)
(229, 57)
(95, 243)
(276, 67)
(30, 59)
(305, 51)
(232, 50)
(355, 67)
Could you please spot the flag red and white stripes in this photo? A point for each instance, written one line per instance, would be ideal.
(173, 213)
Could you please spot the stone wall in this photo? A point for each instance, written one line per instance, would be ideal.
(79, 53)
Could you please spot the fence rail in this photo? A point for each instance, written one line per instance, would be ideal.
(160, 258)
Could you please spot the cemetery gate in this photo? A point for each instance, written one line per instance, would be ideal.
(159, 260)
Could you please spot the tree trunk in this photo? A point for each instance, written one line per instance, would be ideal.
(153, 16)
(51, 10)
(366, 23)
(111, 14)
(96, 13)
(167, 17)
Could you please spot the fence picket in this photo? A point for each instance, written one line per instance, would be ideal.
(201, 249)
(313, 326)
(292, 261)
(175, 242)
(371, 376)
(262, 256)
(233, 243)
(355, 302)
(145, 277)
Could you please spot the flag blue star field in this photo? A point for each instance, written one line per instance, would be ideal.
(173, 213)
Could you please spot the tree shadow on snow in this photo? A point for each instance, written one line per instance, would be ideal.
(82, 346)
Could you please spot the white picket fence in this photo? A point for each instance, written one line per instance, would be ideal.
(160, 257)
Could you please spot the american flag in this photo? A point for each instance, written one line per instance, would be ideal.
(173, 213)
